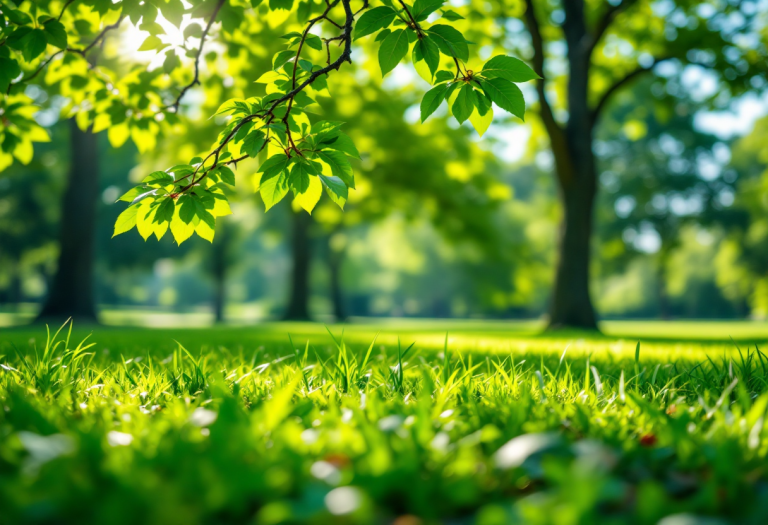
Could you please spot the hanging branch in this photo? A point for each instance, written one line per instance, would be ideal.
(196, 80)
(268, 115)
(611, 12)
(82, 52)
(606, 96)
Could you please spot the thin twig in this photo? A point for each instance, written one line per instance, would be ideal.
(82, 52)
(64, 9)
(416, 26)
(196, 79)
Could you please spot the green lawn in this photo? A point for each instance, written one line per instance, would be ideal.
(509, 425)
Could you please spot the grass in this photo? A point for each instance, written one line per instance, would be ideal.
(495, 424)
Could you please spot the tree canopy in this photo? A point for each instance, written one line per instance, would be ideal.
(57, 44)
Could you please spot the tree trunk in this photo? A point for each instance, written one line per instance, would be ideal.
(71, 292)
(15, 294)
(661, 284)
(335, 260)
(571, 305)
(301, 251)
(219, 270)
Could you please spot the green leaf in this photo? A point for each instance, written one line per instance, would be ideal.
(510, 68)
(143, 196)
(464, 103)
(382, 35)
(326, 129)
(273, 190)
(314, 42)
(340, 166)
(273, 166)
(171, 61)
(56, 34)
(164, 212)
(151, 42)
(482, 103)
(34, 44)
(450, 41)
(187, 209)
(336, 189)
(158, 178)
(286, 5)
(426, 49)
(253, 143)
(180, 228)
(373, 20)
(126, 220)
(392, 50)
(181, 170)
(193, 30)
(131, 194)
(17, 17)
(227, 175)
(452, 15)
(281, 58)
(17, 39)
(342, 143)
(9, 69)
(423, 8)
(444, 76)
(506, 95)
(298, 179)
(432, 100)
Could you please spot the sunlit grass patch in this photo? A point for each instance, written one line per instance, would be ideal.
(323, 427)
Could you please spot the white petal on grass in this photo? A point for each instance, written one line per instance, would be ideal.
(202, 417)
(441, 441)
(310, 436)
(390, 423)
(119, 439)
(343, 500)
(46, 448)
(690, 519)
(325, 471)
(515, 452)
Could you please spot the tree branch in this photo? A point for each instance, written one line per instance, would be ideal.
(607, 19)
(99, 38)
(606, 96)
(196, 79)
(268, 115)
(415, 24)
(66, 5)
(81, 52)
(538, 65)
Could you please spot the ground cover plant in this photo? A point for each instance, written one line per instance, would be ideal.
(317, 430)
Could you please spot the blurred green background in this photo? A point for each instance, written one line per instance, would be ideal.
(444, 224)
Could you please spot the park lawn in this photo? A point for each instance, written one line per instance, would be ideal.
(501, 424)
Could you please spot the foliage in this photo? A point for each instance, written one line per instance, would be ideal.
(297, 433)
(301, 156)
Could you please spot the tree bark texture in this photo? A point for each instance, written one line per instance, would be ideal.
(71, 293)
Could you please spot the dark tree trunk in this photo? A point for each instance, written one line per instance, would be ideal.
(15, 294)
(661, 284)
(71, 292)
(219, 259)
(335, 261)
(571, 304)
(301, 251)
